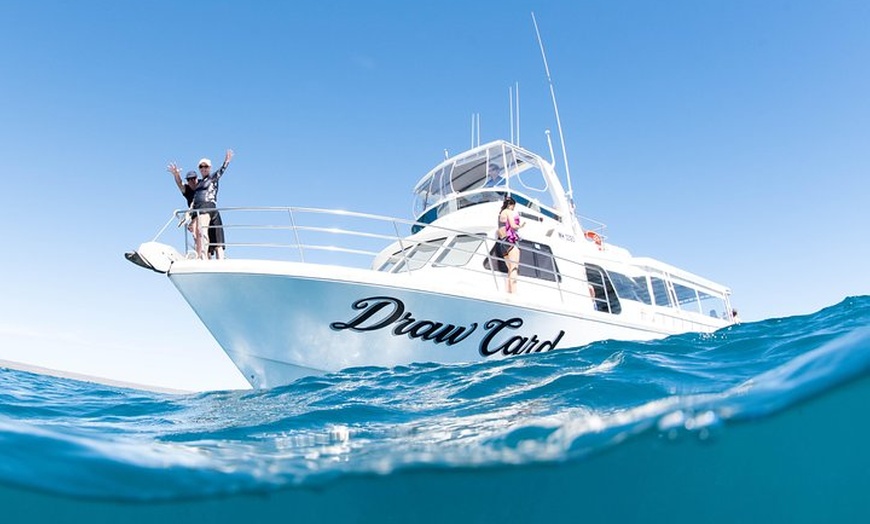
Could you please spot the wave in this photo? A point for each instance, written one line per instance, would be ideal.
(563, 416)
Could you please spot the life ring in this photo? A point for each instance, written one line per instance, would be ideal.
(595, 237)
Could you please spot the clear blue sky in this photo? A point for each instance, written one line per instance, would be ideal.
(731, 138)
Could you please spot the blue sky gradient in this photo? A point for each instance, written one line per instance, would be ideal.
(729, 138)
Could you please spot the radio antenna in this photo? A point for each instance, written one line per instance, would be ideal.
(517, 84)
(514, 110)
(511, 107)
(556, 109)
(475, 130)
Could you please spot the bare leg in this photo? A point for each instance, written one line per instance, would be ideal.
(202, 222)
(197, 238)
(191, 226)
(512, 258)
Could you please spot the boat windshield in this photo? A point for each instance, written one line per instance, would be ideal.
(486, 174)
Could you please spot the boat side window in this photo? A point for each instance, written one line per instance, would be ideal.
(605, 298)
(643, 289)
(715, 305)
(417, 256)
(660, 292)
(687, 298)
(394, 259)
(458, 251)
(536, 261)
(629, 289)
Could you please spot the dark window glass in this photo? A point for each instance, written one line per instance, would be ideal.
(605, 295)
(660, 291)
(630, 289)
(536, 261)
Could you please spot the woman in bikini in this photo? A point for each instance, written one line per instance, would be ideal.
(508, 223)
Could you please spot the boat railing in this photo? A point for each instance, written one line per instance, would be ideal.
(591, 225)
(298, 233)
(353, 239)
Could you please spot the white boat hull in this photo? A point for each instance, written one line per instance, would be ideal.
(277, 327)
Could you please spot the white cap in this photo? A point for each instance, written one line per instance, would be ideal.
(204, 161)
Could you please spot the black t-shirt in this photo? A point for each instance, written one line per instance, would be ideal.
(188, 194)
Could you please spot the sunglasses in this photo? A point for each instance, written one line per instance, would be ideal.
(203, 166)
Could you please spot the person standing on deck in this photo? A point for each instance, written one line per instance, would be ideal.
(188, 188)
(205, 203)
(508, 224)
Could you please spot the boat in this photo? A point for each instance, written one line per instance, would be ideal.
(311, 291)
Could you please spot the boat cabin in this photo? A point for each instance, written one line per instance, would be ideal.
(486, 174)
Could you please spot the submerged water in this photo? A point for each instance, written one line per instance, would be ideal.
(758, 422)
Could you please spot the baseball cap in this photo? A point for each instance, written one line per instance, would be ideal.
(205, 161)
(190, 174)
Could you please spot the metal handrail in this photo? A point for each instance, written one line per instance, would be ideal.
(300, 228)
(569, 276)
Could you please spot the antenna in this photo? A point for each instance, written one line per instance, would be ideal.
(511, 107)
(478, 129)
(514, 141)
(475, 130)
(518, 112)
(556, 109)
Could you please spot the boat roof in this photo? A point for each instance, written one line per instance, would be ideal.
(490, 172)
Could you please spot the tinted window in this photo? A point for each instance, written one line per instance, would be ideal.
(714, 306)
(630, 289)
(660, 292)
(393, 260)
(418, 255)
(459, 251)
(605, 295)
(643, 290)
(536, 261)
(687, 298)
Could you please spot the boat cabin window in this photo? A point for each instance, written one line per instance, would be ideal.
(687, 298)
(660, 292)
(601, 287)
(391, 262)
(459, 251)
(643, 289)
(412, 257)
(630, 289)
(536, 261)
(714, 305)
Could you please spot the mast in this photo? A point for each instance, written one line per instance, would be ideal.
(558, 120)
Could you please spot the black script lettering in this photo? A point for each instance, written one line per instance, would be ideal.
(495, 326)
(372, 306)
(424, 329)
(451, 334)
(549, 346)
(380, 312)
(404, 325)
(429, 330)
(531, 345)
(514, 345)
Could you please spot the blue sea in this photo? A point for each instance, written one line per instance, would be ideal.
(758, 422)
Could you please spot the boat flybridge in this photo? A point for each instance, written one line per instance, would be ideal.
(310, 291)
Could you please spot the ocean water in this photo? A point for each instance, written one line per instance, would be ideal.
(758, 422)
